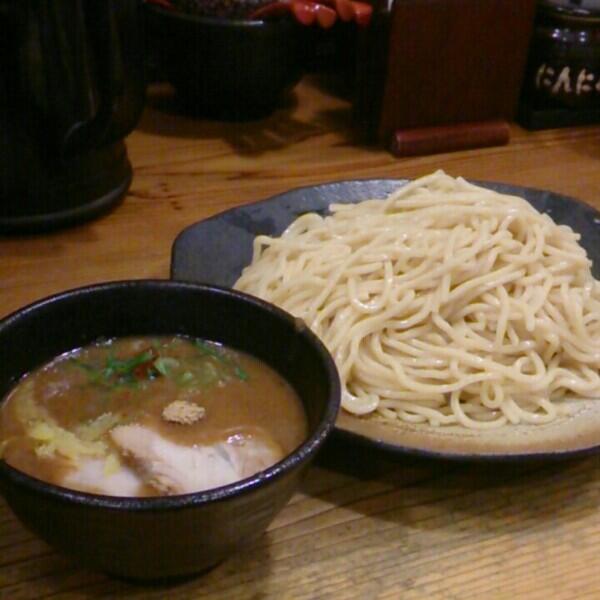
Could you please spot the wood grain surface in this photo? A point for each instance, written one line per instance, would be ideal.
(364, 525)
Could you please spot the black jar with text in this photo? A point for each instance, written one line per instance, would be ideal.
(562, 81)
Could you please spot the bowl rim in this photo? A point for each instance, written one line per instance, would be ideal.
(297, 457)
(177, 15)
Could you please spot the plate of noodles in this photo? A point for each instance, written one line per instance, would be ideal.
(464, 318)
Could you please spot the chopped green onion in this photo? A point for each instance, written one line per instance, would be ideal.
(209, 374)
(186, 377)
(164, 364)
(125, 367)
(116, 372)
(223, 358)
(241, 374)
(206, 348)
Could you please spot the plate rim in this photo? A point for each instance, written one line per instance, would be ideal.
(354, 437)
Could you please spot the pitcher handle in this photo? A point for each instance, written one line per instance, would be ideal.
(81, 64)
(115, 39)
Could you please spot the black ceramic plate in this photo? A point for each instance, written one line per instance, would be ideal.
(217, 249)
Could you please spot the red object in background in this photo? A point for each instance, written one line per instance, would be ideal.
(344, 9)
(324, 14)
(362, 13)
(306, 12)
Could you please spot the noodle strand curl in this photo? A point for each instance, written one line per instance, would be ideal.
(446, 304)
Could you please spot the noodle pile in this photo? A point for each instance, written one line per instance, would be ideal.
(446, 303)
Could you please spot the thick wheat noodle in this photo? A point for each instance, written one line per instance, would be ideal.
(445, 303)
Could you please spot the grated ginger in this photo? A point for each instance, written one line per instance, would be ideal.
(95, 429)
(183, 412)
(52, 439)
(112, 465)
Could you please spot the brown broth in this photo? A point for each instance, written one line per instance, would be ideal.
(240, 394)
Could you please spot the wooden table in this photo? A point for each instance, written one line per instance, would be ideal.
(364, 525)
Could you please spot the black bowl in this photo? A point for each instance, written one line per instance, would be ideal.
(156, 538)
(225, 68)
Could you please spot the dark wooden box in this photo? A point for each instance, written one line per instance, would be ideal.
(448, 63)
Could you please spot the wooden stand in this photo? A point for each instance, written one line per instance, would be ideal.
(451, 75)
(449, 138)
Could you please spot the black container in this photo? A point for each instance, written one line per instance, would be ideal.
(71, 88)
(226, 68)
(331, 54)
(562, 82)
(156, 538)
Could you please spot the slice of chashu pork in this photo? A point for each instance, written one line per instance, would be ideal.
(172, 468)
(90, 476)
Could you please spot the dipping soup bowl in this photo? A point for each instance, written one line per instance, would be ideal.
(171, 536)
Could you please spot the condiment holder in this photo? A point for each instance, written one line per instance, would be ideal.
(562, 83)
(450, 64)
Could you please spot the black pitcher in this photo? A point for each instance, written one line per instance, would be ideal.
(71, 88)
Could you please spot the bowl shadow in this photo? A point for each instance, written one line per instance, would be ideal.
(47, 573)
(473, 496)
(169, 115)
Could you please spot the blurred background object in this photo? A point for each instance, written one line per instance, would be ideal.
(224, 67)
(230, 9)
(71, 88)
(456, 64)
(237, 59)
(562, 84)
